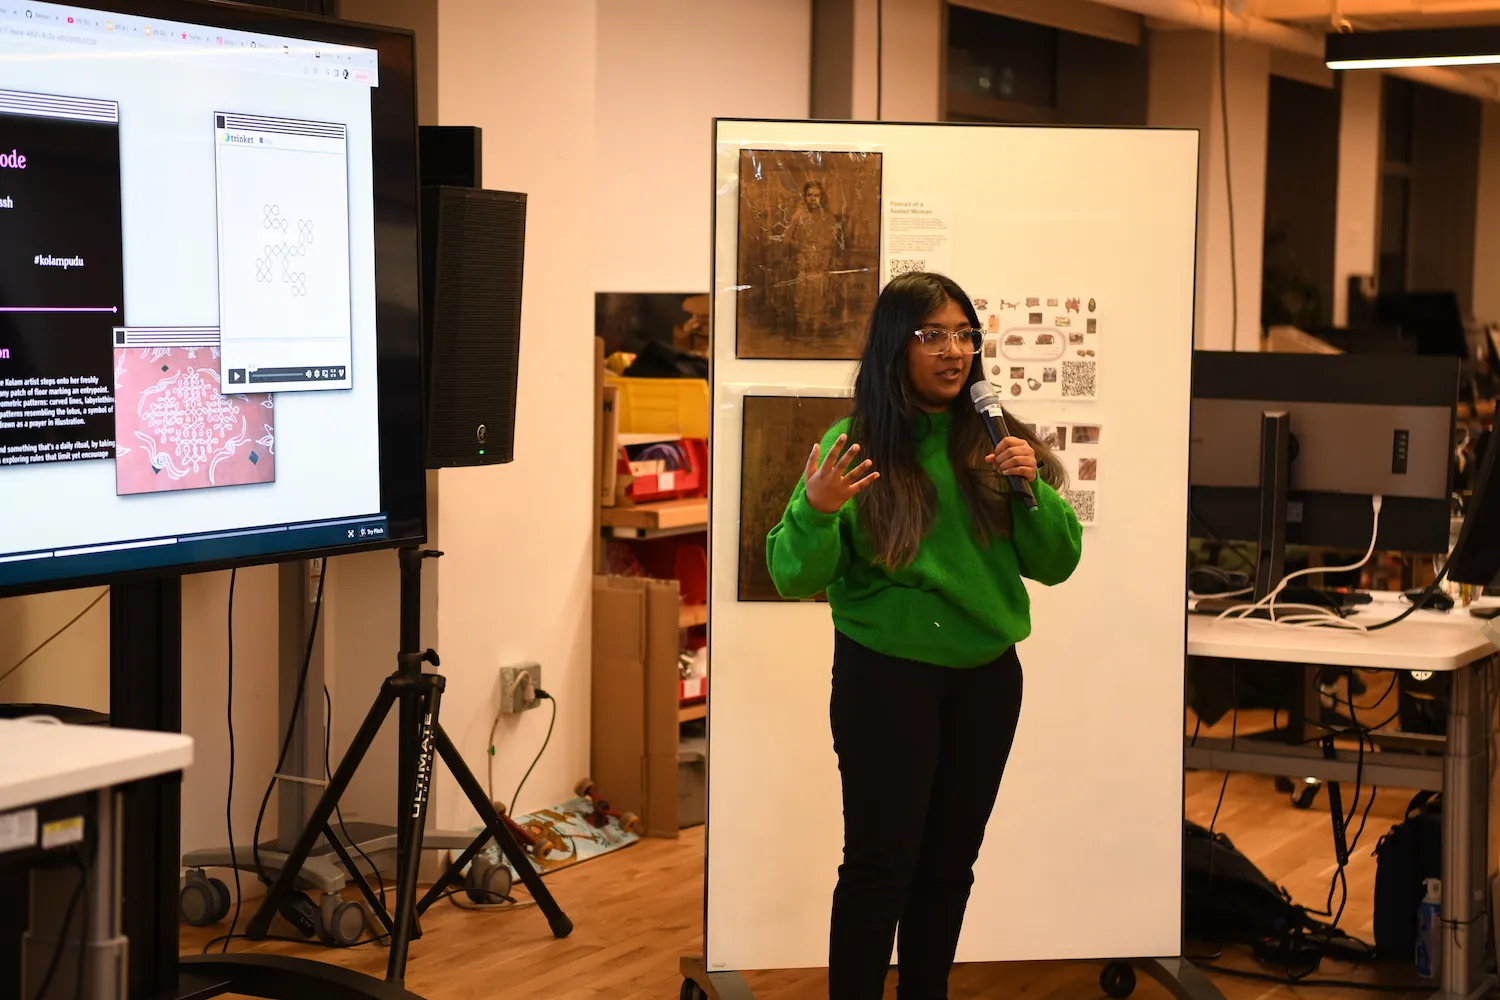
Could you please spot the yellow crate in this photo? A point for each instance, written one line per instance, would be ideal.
(662, 405)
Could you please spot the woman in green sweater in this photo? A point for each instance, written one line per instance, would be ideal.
(921, 548)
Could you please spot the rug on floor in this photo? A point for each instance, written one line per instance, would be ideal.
(565, 836)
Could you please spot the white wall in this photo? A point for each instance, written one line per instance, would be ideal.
(516, 580)
(74, 668)
(665, 70)
(1356, 242)
(1184, 91)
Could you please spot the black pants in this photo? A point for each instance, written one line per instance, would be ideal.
(921, 751)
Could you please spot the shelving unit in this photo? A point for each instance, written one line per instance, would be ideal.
(643, 646)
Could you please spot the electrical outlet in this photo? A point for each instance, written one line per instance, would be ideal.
(518, 687)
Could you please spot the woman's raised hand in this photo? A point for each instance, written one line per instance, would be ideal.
(832, 483)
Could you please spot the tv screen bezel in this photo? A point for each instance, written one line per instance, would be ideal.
(393, 121)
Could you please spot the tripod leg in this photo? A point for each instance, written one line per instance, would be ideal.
(412, 823)
(556, 918)
(453, 874)
(286, 879)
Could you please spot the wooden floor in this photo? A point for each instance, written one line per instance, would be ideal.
(638, 910)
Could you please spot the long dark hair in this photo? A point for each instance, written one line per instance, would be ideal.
(897, 510)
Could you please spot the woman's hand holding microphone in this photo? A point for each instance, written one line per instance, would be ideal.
(832, 483)
(1014, 457)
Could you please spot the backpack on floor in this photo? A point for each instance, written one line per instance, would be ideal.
(1405, 858)
(1226, 899)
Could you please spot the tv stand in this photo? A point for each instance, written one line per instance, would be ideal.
(302, 776)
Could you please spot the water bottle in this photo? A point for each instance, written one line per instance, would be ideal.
(1430, 931)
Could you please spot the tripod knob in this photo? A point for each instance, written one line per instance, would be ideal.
(417, 659)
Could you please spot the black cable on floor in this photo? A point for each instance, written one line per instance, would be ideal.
(1332, 984)
(234, 862)
(226, 938)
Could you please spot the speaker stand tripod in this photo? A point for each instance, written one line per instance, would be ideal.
(422, 740)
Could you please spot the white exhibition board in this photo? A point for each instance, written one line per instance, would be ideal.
(1082, 857)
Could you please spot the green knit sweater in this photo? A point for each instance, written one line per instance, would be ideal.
(960, 603)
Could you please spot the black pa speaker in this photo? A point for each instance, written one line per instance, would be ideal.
(473, 252)
(451, 155)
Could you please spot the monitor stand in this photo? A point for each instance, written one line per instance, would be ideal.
(1275, 481)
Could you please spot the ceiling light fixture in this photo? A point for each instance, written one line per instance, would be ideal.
(1476, 46)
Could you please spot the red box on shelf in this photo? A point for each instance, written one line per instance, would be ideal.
(692, 690)
(682, 559)
(688, 479)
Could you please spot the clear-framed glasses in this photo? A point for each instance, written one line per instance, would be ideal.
(966, 341)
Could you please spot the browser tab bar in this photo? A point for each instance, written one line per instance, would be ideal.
(68, 25)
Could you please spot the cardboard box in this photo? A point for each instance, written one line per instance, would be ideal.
(633, 760)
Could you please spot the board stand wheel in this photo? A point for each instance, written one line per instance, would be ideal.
(1117, 980)
(700, 984)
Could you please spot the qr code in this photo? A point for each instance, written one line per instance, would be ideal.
(899, 267)
(1078, 379)
(1082, 502)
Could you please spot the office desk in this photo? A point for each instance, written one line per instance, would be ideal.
(1454, 643)
(46, 764)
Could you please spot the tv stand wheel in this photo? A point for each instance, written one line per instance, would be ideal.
(202, 901)
(691, 991)
(341, 922)
(1117, 980)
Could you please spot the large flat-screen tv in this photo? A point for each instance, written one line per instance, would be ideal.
(210, 347)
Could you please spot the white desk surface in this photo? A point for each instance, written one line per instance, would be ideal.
(1427, 640)
(40, 761)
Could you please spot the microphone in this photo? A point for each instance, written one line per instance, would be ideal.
(987, 405)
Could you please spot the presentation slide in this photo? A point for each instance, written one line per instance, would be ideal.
(187, 289)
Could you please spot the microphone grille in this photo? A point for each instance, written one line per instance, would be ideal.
(983, 394)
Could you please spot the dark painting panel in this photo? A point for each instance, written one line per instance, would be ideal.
(809, 253)
(779, 434)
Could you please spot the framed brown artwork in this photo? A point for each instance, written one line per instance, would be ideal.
(779, 434)
(808, 266)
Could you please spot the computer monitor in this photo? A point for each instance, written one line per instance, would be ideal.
(210, 349)
(1290, 449)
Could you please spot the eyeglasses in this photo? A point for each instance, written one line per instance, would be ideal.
(966, 341)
